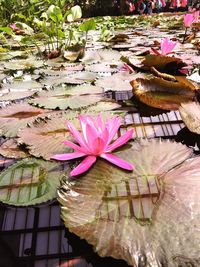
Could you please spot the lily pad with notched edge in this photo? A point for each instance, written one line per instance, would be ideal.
(116, 211)
(190, 114)
(163, 94)
(17, 116)
(44, 137)
(66, 101)
(29, 182)
(11, 149)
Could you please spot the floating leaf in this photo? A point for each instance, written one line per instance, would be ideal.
(115, 211)
(65, 101)
(104, 55)
(163, 63)
(103, 67)
(22, 64)
(116, 82)
(29, 182)
(17, 116)
(11, 149)
(16, 95)
(45, 136)
(175, 228)
(190, 114)
(163, 94)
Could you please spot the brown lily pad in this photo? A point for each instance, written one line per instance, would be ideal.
(164, 94)
(166, 64)
(17, 116)
(11, 149)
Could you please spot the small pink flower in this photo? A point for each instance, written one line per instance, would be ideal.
(196, 16)
(95, 141)
(188, 20)
(14, 27)
(166, 47)
(126, 68)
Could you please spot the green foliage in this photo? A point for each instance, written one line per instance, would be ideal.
(88, 25)
(74, 14)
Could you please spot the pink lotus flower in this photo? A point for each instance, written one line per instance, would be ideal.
(196, 16)
(188, 20)
(126, 68)
(14, 27)
(166, 47)
(95, 141)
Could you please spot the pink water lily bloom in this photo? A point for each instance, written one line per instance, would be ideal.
(188, 20)
(167, 46)
(95, 141)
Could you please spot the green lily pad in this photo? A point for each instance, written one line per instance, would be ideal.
(30, 182)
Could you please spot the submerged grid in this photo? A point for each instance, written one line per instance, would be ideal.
(36, 237)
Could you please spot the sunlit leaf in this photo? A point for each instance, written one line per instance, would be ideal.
(11, 149)
(116, 211)
(45, 137)
(17, 116)
(190, 113)
(163, 94)
(29, 182)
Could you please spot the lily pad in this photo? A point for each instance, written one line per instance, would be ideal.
(11, 96)
(23, 64)
(116, 211)
(79, 77)
(163, 94)
(66, 101)
(166, 64)
(11, 149)
(29, 182)
(190, 114)
(103, 67)
(44, 137)
(17, 116)
(116, 82)
(101, 55)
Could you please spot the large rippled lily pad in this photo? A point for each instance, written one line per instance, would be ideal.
(17, 116)
(29, 182)
(190, 114)
(164, 94)
(129, 215)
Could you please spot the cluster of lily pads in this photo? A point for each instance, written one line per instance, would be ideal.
(122, 213)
